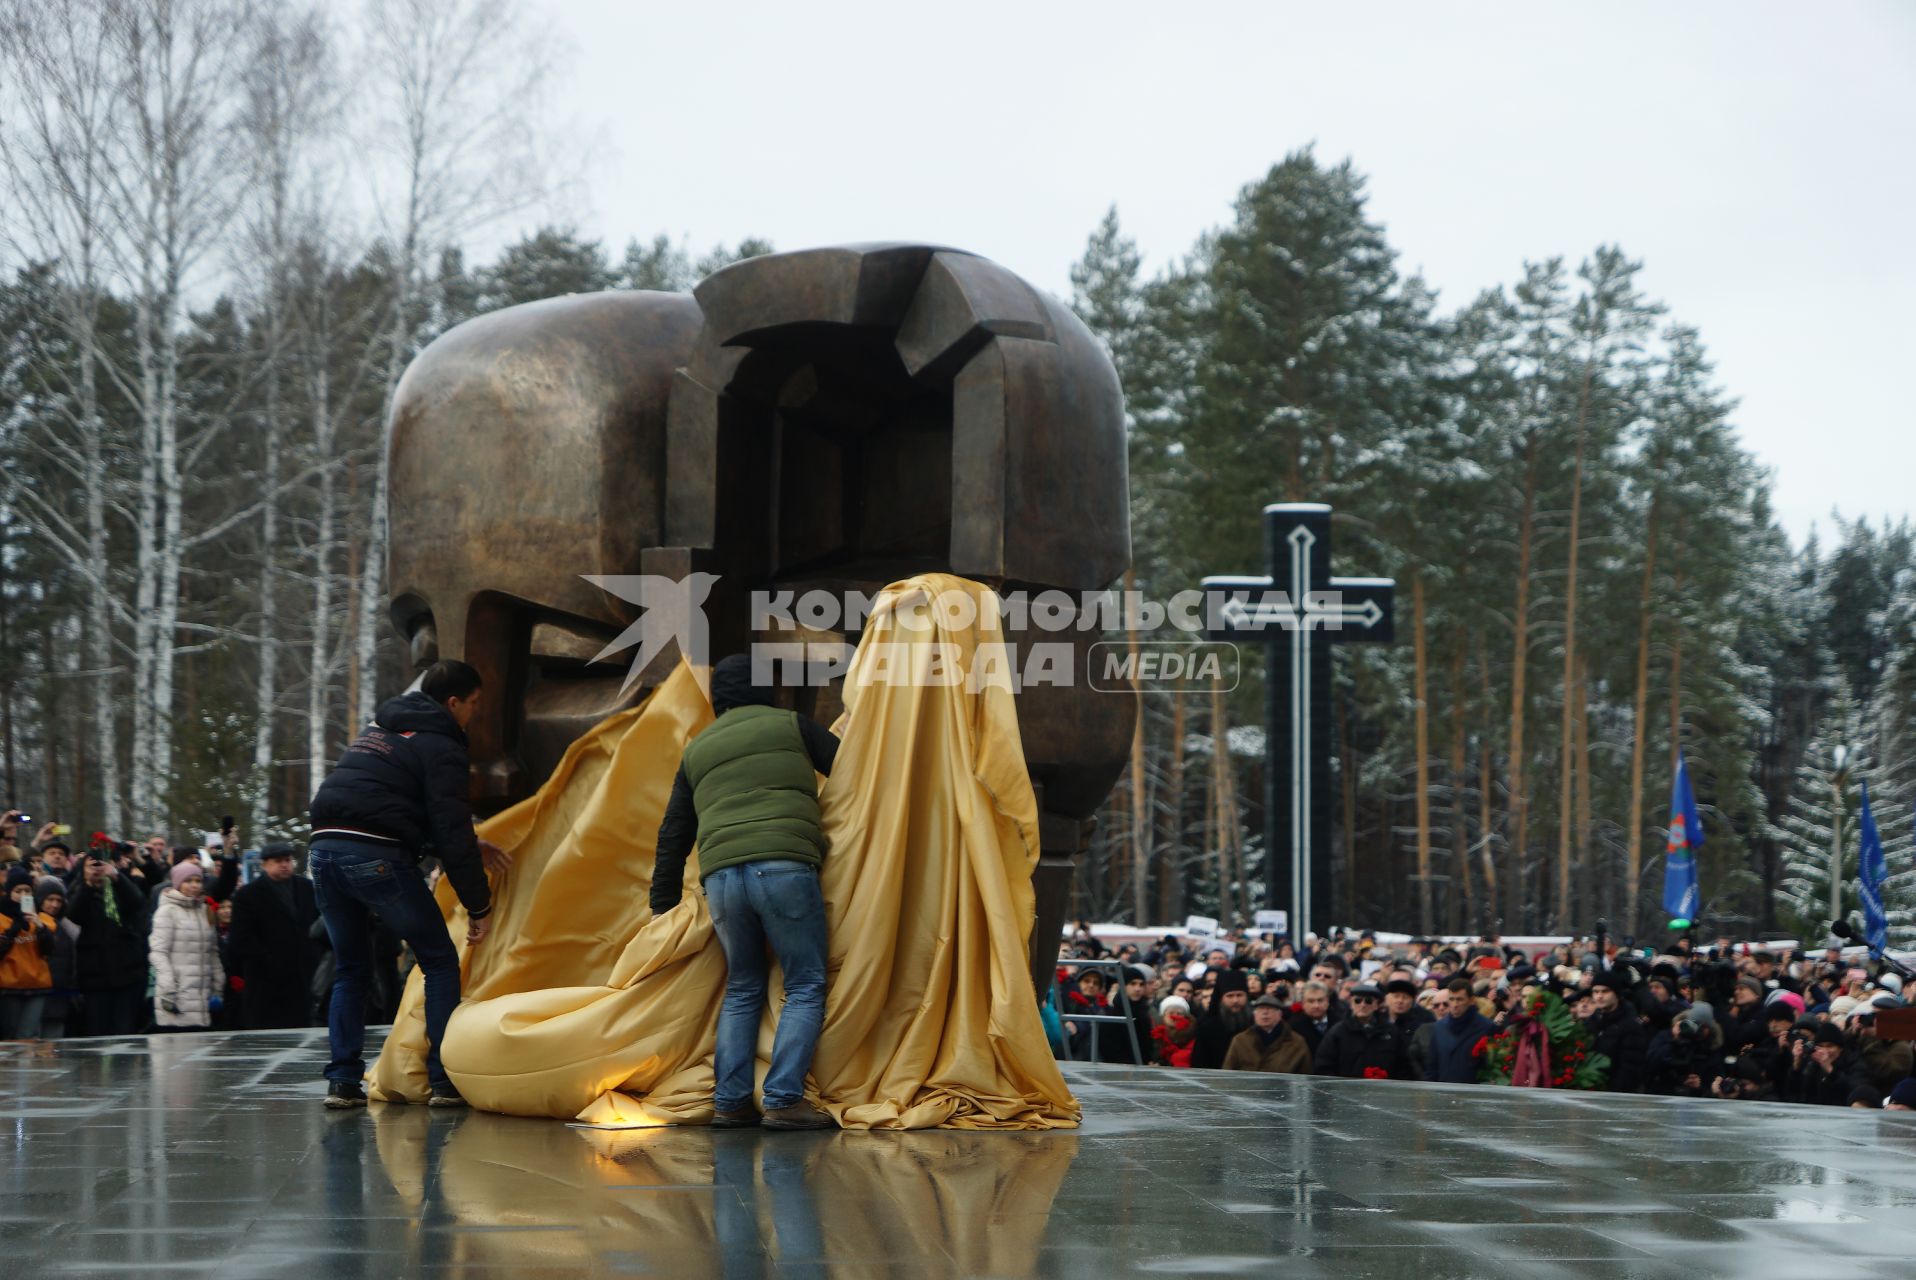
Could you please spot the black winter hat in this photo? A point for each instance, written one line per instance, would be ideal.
(1830, 1033)
(1617, 980)
(1232, 980)
(1400, 986)
(732, 685)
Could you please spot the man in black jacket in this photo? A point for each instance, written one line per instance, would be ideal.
(1618, 1032)
(401, 787)
(1366, 1045)
(270, 948)
(1832, 1071)
(109, 956)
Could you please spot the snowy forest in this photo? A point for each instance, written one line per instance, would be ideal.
(229, 225)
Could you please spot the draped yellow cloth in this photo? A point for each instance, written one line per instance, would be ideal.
(583, 1005)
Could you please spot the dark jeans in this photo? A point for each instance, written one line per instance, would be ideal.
(776, 901)
(352, 879)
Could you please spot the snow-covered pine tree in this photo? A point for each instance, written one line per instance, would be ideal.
(1820, 823)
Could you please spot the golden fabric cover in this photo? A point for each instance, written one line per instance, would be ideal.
(582, 1004)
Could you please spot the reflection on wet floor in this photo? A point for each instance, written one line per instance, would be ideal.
(211, 1155)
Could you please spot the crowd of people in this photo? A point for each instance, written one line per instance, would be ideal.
(1705, 1022)
(118, 938)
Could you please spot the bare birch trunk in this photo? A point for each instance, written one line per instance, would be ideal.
(320, 662)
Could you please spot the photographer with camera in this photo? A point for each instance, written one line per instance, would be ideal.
(110, 953)
(1686, 1059)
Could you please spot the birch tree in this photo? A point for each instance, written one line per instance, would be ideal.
(57, 62)
(453, 90)
(289, 95)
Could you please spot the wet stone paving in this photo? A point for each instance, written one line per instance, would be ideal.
(211, 1155)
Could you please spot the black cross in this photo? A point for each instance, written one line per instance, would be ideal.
(1297, 613)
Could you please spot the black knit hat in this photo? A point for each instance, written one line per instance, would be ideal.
(1232, 980)
(1615, 979)
(1830, 1033)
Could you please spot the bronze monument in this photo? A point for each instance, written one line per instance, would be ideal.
(838, 418)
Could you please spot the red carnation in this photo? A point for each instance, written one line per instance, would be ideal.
(1376, 1073)
(1477, 1050)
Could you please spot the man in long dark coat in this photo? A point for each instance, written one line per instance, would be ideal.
(270, 946)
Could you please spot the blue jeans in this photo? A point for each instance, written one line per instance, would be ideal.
(776, 901)
(352, 879)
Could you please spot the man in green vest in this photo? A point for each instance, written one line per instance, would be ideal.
(746, 790)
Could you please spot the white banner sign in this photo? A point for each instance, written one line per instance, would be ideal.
(1200, 926)
(1274, 922)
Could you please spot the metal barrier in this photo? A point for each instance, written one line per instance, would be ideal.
(1118, 968)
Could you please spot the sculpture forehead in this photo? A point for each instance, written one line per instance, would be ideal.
(528, 449)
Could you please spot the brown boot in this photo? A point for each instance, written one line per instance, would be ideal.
(800, 1115)
(746, 1117)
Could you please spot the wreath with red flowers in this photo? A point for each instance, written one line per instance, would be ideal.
(1572, 1061)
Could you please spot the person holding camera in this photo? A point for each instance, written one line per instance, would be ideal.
(1686, 1058)
(26, 946)
(401, 787)
(110, 953)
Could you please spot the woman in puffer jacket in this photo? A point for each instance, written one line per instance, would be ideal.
(184, 949)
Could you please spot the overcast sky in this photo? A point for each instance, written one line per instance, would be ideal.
(1760, 158)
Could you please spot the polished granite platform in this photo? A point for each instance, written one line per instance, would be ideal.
(210, 1155)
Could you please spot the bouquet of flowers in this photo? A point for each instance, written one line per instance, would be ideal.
(1542, 1047)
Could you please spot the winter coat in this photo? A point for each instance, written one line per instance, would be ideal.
(1884, 1062)
(404, 782)
(1302, 1024)
(26, 945)
(1214, 1035)
(273, 954)
(1830, 1088)
(109, 954)
(745, 788)
(1283, 1052)
(1449, 1059)
(64, 962)
(184, 949)
(1351, 1048)
(1621, 1036)
(1670, 1059)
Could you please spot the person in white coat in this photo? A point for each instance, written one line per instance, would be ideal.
(184, 949)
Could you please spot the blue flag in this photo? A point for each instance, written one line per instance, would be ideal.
(1870, 870)
(1686, 837)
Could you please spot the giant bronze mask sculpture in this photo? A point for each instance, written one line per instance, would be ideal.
(833, 418)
